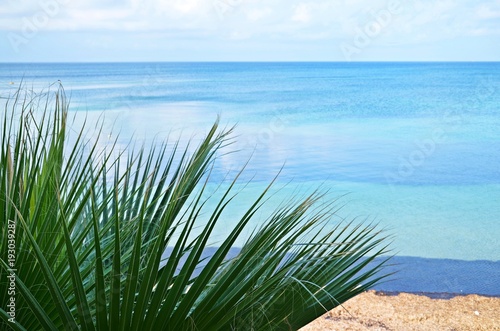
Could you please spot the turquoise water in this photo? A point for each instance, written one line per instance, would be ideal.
(416, 145)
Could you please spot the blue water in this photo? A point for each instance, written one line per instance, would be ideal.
(416, 145)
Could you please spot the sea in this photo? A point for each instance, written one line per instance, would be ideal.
(412, 147)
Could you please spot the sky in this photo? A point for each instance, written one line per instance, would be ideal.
(248, 30)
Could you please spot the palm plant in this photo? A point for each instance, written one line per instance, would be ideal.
(94, 240)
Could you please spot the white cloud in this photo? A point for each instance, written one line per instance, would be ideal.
(185, 6)
(301, 13)
(258, 14)
(482, 32)
(324, 22)
(239, 35)
(419, 15)
(486, 12)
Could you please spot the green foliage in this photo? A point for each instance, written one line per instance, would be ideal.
(92, 229)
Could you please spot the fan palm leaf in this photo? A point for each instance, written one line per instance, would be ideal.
(103, 240)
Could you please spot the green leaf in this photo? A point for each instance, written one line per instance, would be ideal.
(94, 227)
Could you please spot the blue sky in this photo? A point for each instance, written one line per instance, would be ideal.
(249, 30)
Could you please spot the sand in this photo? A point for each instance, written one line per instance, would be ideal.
(377, 311)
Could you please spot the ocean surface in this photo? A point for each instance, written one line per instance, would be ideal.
(412, 146)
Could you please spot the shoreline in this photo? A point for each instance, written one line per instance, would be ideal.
(433, 295)
(374, 310)
(439, 278)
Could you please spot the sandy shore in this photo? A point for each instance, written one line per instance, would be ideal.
(377, 311)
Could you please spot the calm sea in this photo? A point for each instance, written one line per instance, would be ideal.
(415, 145)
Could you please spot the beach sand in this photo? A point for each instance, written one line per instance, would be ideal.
(378, 311)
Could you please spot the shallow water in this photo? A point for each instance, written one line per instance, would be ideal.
(416, 145)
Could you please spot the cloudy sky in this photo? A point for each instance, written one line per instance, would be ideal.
(249, 30)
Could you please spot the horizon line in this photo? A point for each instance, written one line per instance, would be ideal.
(256, 61)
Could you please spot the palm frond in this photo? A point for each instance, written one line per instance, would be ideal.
(108, 241)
